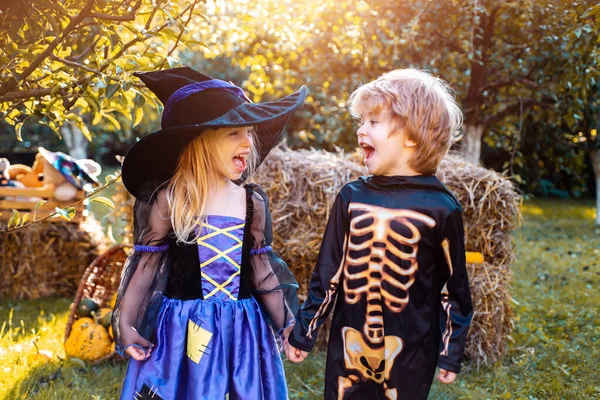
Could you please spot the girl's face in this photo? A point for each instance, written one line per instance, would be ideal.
(234, 146)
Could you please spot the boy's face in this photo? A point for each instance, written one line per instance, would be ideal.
(386, 148)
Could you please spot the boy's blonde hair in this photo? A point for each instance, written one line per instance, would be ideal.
(422, 105)
(197, 170)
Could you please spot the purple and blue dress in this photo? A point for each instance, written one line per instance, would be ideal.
(216, 325)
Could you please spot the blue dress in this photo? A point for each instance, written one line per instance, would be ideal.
(218, 347)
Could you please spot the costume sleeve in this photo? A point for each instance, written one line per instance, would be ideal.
(325, 280)
(457, 309)
(273, 284)
(145, 273)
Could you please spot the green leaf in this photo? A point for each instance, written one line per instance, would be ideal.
(55, 90)
(53, 23)
(17, 77)
(139, 100)
(55, 5)
(97, 118)
(139, 115)
(86, 132)
(192, 41)
(71, 211)
(39, 204)
(204, 17)
(112, 89)
(65, 213)
(18, 131)
(103, 200)
(14, 220)
(113, 120)
(24, 219)
(53, 102)
(92, 101)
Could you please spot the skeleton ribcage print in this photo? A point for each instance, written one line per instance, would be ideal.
(381, 261)
(380, 264)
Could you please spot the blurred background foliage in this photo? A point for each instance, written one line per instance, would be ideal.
(525, 72)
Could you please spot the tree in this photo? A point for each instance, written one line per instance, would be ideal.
(68, 64)
(579, 80)
(490, 51)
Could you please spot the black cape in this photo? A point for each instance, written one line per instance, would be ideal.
(392, 261)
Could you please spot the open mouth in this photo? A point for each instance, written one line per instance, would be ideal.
(239, 162)
(368, 149)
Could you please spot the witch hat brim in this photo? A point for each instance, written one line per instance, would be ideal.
(155, 156)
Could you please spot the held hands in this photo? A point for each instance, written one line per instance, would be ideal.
(293, 354)
(446, 376)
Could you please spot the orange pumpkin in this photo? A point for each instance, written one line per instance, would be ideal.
(88, 340)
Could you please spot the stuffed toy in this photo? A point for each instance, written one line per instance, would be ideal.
(68, 175)
(6, 181)
(4, 175)
(29, 176)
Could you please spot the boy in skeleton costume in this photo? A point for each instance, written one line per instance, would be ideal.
(392, 257)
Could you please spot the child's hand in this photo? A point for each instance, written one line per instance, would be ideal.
(446, 376)
(138, 348)
(295, 355)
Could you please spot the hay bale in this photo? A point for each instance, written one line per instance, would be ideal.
(491, 207)
(492, 317)
(302, 186)
(47, 258)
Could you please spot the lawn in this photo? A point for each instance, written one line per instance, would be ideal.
(554, 352)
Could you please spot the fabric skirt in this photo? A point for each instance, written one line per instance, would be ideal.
(209, 349)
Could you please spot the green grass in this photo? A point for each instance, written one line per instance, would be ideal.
(555, 351)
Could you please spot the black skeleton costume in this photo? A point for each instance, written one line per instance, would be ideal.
(393, 262)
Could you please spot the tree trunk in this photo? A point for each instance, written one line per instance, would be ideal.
(471, 142)
(595, 156)
(74, 139)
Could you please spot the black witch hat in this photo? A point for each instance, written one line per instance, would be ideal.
(194, 102)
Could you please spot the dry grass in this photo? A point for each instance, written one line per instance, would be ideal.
(48, 258)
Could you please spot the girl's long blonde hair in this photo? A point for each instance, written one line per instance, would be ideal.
(197, 170)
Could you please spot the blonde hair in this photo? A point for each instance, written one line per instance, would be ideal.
(197, 170)
(423, 105)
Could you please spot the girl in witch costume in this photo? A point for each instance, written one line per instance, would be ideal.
(203, 292)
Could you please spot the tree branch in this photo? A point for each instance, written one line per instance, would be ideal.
(512, 108)
(499, 84)
(54, 214)
(180, 34)
(25, 94)
(109, 17)
(450, 44)
(75, 64)
(134, 41)
(12, 83)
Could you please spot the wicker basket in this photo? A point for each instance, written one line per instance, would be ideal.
(99, 283)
